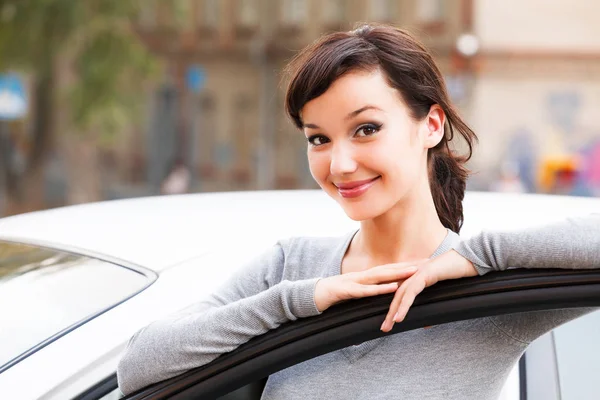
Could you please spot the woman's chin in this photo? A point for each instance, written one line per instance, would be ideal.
(357, 209)
(359, 212)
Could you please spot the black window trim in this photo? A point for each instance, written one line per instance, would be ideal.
(359, 320)
(100, 389)
(522, 377)
(150, 275)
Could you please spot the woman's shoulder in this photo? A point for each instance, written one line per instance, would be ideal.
(320, 245)
(315, 255)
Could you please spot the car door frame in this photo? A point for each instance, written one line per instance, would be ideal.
(357, 321)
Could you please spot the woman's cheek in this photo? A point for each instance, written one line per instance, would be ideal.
(318, 166)
(401, 175)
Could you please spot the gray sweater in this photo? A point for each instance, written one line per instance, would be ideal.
(461, 360)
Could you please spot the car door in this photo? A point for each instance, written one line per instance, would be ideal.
(358, 321)
(563, 363)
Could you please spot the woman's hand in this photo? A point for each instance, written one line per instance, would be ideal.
(378, 280)
(450, 265)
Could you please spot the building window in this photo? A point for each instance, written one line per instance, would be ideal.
(333, 12)
(430, 11)
(293, 12)
(247, 13)
(208, 14)
(380, 10)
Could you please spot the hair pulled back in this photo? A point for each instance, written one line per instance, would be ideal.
(409, 68)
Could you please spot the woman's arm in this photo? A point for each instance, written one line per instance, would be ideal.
(252, 302)
(573, 243)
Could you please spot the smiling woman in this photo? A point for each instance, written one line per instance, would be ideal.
(375, 112)
(372, 102)
(349, 148)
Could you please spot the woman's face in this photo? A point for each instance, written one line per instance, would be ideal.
(364, 148)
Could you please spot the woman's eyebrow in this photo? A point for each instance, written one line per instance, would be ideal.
(311, 126)
(365, 108)
(351, 115)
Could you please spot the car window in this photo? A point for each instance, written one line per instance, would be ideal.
(44, 292)
(113, 395)
(578, 357)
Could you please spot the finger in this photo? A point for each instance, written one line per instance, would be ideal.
(403, 300)
(359, 291)
(407, 301)
(398, 266)
(388, 275)
(388, 323)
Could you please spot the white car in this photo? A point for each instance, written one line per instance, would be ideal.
(77, 282)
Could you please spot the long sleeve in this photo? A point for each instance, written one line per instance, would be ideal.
(573, 244)
(251, 303)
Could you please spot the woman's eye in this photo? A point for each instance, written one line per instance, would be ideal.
(368, 130)
(317, 140)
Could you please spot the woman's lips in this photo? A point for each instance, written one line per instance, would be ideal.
(355, 189)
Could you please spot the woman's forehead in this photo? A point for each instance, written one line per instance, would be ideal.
(350, 92)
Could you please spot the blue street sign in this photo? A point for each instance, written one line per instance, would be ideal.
(13, 100)
(195, 78)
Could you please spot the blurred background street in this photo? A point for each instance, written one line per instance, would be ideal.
(108, 99)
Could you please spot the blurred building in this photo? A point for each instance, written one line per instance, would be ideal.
(233, 131)
(537, 88)
(525, 74)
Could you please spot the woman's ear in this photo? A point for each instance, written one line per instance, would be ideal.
(434, 125)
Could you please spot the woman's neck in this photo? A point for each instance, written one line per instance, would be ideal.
(409, 231)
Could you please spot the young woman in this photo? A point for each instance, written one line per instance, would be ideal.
(378, 122)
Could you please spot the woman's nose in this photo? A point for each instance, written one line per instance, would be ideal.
(342, 161)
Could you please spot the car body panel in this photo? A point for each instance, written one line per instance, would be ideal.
(81, 288)
(187, 240)
(157, 232)
(91, 352)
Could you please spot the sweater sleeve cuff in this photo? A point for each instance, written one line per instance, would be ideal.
(464, 250)
(302, 298)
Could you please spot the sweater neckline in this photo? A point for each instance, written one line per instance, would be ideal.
(451, 239)
(355, 352)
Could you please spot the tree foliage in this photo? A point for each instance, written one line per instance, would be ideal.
(108, 61)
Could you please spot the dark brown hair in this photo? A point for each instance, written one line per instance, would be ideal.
(409, 68)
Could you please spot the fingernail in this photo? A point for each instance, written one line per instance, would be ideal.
(384, 325)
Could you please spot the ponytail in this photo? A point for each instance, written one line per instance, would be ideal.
(448, 181)
(448, 173)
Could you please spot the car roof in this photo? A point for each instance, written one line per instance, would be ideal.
(162, 231)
